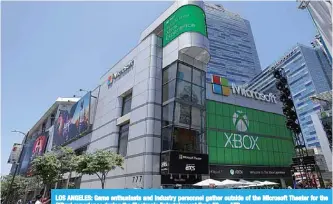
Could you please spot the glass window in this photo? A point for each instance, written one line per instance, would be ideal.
(169, 73)
(182, 115)
(127, 101)
(185, 140)
(43, 127)
(123, 139)
(169, 90)
(184, 90)
(198, 95)
(198, 78)
(184, 72)
(167, 114)
(166, 138)
(52, 119)
(196, 119)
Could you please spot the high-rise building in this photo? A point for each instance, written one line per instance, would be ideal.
(232, 47)
(321, 14)
(308, 73)
(319, 44)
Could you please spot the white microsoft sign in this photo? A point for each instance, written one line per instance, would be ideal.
(113, 76)
(253, 94)
(241, 141)
(128, 66)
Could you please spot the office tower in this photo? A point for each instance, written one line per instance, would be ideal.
(318, 44)
(321, 14)
(307, 74)
(232, 47)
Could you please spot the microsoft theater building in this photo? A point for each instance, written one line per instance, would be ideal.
(155, 108)
(246, 134)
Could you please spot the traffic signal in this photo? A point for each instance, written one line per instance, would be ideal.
(288, 104)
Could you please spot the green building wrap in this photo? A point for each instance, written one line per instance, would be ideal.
(188, 18)
(243, 136)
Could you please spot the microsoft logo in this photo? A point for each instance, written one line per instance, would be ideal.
(240, 121)
(220, 85)
(110, 80)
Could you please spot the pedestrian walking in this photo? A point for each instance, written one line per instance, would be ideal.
(38, 199)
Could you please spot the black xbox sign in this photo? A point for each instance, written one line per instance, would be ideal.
(174, 162)
(248, 172)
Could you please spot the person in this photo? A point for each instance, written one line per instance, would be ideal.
(47, 201)
(38, 199)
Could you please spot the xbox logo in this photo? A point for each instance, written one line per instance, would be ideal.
(240, 121)
(232, 172)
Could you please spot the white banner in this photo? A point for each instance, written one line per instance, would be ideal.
(14, 155)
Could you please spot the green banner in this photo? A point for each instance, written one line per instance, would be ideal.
(243, 136)
(189, 18)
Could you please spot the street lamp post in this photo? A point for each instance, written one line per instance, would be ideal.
(17, 163)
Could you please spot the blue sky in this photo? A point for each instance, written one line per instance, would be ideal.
(53, 49)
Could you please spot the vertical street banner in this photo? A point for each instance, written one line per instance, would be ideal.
(38, 149)
(15, 153)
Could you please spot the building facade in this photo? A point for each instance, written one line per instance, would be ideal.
(157, 109)
(246, 133)
(150, 98)
(321, 14)
(232, 47)
(308, 73)
(323, 125)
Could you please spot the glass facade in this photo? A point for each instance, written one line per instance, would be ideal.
(183, 109)
(232, 48)
(243, 136)
(308, 73)
(307, 76)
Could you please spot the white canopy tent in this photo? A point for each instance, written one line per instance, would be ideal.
(230, 183)
(269, 183)
(245, 184)
(208, 182)
(256, 184)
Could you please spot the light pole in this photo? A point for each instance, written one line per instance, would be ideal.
(17, 163)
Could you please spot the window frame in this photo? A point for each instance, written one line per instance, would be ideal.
(200, 131)
(125, 99)
(120, 137)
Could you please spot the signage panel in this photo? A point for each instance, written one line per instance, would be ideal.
(188, 18)
(34, 147)
(221, 86)
(174, 162)
(114, 76)
(183, 179)
(243, 136)
(73, 123)
(15, 153)
(248, 172)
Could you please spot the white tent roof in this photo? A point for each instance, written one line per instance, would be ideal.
(246, 182)
(208, 182)
(269, 183)
(257, 183)
(231, 183)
